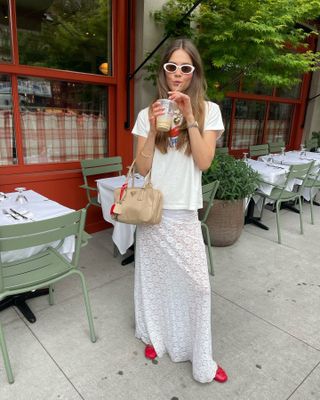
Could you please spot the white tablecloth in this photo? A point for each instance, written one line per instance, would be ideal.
(274, 174)
(123, 234)
(295, 158)
(37, 208)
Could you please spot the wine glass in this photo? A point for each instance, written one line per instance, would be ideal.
(21, 198)
(270, 159)
(3, 196)
(283, 151)
(302, 150)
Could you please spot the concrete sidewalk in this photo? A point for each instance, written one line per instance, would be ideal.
(266, 327)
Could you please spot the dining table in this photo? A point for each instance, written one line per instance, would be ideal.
(123, 234)
(295, 157)
(36, 208)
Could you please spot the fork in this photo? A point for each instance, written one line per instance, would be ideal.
(6, 212)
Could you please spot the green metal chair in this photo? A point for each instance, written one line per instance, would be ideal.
(43, 269)
(208, 193)
(275, 147)
(280, 194)
(98, 166)
(257, 150)
(311, 143)
(312, 182)
(222, 150)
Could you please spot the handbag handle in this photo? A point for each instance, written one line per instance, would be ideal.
(115, 208)
(147, 178)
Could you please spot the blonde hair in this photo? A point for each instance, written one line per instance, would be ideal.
(196, 91)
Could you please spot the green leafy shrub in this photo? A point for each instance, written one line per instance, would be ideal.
(316, 135)
(237, 179)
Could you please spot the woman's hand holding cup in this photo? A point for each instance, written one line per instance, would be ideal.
(163, 110)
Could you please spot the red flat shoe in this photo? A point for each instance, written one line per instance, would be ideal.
(220, 376)
(150, 352)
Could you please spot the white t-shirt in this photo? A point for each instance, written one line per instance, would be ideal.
(175, 174)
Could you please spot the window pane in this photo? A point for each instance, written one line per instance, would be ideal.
(279, 122)
(7, 138)
(5, 42)
(256, 88)
(292, 93)
(68, 35)
(248, 123)
(62, 121)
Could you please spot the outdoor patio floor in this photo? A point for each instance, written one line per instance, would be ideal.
(266, 327)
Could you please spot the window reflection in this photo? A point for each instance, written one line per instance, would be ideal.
(5, 43)
(68, 35)
(291, 93)
(62, 121)
(7, 138)
(279, 122)
(256, 88)
(248, 123)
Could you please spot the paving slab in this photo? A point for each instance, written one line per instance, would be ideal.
(115, 367)
(310, 387)
(276, 283)
(36, 374)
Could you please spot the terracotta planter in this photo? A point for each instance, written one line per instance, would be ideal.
(225, 221)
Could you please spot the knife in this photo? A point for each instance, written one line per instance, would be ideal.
(17, 213)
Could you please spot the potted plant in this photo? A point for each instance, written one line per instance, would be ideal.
(237, 182)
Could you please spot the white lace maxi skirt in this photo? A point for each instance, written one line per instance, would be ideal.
(172, 291)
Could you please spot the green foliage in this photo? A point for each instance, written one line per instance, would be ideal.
(316, 135)
(237, 179)
(253, 39)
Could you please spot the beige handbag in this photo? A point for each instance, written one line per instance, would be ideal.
(137, 205)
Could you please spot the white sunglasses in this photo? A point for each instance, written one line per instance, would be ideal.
(185, 69)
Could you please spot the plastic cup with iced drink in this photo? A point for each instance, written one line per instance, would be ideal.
(164, 121)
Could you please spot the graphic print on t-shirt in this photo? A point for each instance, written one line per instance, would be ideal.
(175, 129)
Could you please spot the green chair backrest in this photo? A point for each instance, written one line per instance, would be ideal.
(311, 143)
(24, 235)
(258, 150)
(313, 180)
(299, 171)
(208, 193)
(222, 150)
(100, 166)
(275, 147)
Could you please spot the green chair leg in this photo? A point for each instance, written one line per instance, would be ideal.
(207, 234)
(115, 251)
(5, 356)
(51, 298)
(300, 215)
(311, 207)
(88, 307)
(278, 205)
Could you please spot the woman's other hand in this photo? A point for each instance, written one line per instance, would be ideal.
(184, 103)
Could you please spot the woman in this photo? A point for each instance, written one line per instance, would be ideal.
(172, 287)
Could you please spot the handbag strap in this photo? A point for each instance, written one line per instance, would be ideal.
(147, 178)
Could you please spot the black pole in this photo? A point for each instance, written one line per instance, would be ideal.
(131, 75)
(129, 14)
(313, 97)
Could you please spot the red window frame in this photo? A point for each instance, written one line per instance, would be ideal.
(119, 141)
